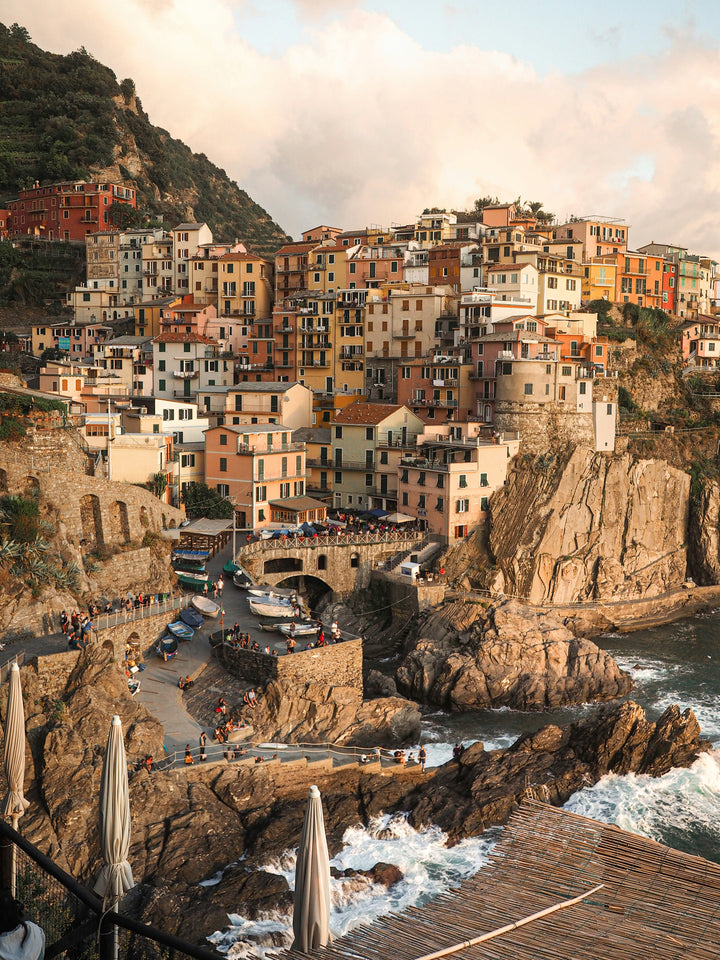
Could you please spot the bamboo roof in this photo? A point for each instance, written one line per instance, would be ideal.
(652, 901)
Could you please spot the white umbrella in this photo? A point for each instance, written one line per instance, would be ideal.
(115, 877)
(398, 518)
(311, 911)
(14, 804)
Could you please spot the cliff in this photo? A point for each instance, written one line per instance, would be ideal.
(590, 527)
(67, 117)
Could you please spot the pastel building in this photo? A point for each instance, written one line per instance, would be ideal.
(254, 465)
(285, 404)
(448, 480)
(67, 211)
(598, 235)
(184, 364)
(700, 341)
(187, 238)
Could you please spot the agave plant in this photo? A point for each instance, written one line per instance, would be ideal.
(9, 550)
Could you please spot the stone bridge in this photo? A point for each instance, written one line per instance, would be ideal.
(343, 562)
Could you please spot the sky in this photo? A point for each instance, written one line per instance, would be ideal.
(361, 112)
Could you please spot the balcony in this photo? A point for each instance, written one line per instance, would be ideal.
(322, 464)
(421, 402)
(285, 328)
(182, 395)
(185, 374)
(362, 465)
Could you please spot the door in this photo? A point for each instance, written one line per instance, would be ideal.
(186, 389)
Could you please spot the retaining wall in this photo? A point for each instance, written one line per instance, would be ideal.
(337, 665)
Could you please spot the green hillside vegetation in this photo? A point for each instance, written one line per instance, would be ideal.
(67, 117)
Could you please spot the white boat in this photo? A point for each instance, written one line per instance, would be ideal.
(300, 630)
(271, 592)
(206, 606)
(270, 609)
(284, 601)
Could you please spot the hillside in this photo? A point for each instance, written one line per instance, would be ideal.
(67, 117)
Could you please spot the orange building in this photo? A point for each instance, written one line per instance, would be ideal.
(67, 211)
(638, 278)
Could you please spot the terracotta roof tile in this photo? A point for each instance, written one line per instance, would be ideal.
(366, 413)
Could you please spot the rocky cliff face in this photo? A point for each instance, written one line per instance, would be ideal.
(468, 657)
(590, 527)
(189, 824)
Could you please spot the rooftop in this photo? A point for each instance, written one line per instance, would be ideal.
(366, 413)
(184, 338)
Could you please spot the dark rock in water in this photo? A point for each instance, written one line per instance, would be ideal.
(467, 656)
(386, 874)
(377, 684)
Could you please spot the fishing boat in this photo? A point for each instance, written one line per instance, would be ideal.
(167, 648)
(192, 618)
(195, 580)
(265, 598)
(206, 606)
(197, 555)
(310, 629)
(231, 568)
(181, 630)
(275, 592)
(271, 627)
(270, 608)
(189, 566)
(241, 579)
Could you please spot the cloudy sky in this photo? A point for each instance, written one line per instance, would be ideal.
(359, 112)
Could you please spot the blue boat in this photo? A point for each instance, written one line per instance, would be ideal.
(181, 630)
(167, 648)
(192, 618)
(180, 554)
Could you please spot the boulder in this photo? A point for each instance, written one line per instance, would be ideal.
(506, 656)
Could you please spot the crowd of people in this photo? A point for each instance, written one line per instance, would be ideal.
(77, 628)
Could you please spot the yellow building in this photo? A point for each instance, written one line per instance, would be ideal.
(149, 315)
(329, 352)
(245, 286)
(598, 281)
(327, 269)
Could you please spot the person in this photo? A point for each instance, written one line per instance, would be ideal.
(290, 644)
(252, 699)
(275, 653)
(205, 589)
(221, 707)
(149, 762)
(64, 622)
(457, 752)
(203, 754)
(188, 754)
(292, 629)
(20, 938)
(321, 638)
(220, 585)
(181, 683)
(267, 648)
(334, 630)
(422, 757)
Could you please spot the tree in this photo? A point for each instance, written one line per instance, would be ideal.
(201, 501)
(483, 202)
(53, 353)
(19, 33)
(158, 484)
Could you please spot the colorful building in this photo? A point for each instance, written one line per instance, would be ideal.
(67, 211)
(598, 235)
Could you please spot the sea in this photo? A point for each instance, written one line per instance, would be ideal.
(678, 663)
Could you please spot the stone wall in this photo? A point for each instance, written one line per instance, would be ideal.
(51, 672)
(8, 379)
(337, 665)
(544, 426)
(146, 632)
(95, 511)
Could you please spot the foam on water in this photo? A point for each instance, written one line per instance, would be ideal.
(679, 809)
(428, 865)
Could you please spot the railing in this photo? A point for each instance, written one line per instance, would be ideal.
(338, 538)
(73, 918)
(354, 465)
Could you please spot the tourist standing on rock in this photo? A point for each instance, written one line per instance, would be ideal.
(188, 754)
(221, 707)
(203, 754)
(457, 752)
(422, 758)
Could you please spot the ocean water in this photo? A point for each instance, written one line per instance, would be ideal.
(678, 663)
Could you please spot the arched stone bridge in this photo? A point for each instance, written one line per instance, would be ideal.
(343, 562)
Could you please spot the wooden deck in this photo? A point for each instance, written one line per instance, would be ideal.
(654, 902)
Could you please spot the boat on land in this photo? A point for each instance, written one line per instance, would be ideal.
(189, 566)
(275, 601)
(194, 580)
(241, 579)
(192, 618)
(300, 630)
(196, 555)
(167, 648)
(181, 630)
(270, 608)
(206, 606)
(275, 592)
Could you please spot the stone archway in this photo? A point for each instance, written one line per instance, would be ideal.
(91, 519)
(119, 523)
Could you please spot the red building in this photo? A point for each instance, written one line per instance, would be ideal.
(4, 224)
(66, 211)
(669, 286)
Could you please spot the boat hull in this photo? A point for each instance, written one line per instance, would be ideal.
(205, 606)
(192, 618)
(274, 610)
(181, 630)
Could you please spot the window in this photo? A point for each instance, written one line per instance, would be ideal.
(462, 480)
(369, 433)
(223, 439)
(338, 433)
(284, 467)
(261, 470)
(405, 499)
(483, 503)
(383, 457)
(566, 371)
(528, 389)
(284, 491)
(439, 504)
(223, 464)
(161, 385)
(261, 493)
(462, 506)
(368, 479)
(161, 347)
(483, 480)
(582, 387)
(609, 409)
(338, 477)
(161, 365)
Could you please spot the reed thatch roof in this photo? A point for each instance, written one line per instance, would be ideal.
(652, 901)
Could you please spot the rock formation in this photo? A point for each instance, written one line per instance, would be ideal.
(468, 656)
(591, 527)
(197, 823)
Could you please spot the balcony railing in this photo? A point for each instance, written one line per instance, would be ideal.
(420, 402)
(323, 464)
(355, 465)
(185, 374)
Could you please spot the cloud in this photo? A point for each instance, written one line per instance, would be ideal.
(355, 123)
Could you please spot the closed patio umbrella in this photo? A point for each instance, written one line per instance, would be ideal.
(399, 518)
(311, 910)
(115, 877)
(14, 803)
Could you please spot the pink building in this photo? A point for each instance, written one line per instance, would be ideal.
(701, 342)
